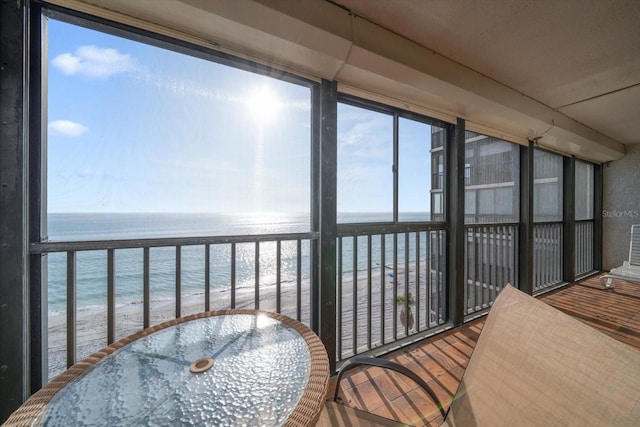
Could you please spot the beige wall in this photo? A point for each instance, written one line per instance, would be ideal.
(621, 206)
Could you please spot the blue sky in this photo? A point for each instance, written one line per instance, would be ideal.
(135, 128)
(365, 162)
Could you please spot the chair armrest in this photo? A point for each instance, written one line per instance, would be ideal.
(358, 361)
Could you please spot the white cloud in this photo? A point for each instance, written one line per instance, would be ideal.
(94, 62)
(66, 128)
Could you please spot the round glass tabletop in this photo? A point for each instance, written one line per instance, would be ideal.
(228, 369)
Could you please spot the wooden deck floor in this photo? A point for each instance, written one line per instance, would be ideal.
(441, 360)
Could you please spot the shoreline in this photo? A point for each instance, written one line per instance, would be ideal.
(91, 326)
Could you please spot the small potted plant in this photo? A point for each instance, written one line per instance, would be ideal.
(406, 318)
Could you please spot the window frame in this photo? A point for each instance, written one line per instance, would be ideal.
(481, 192)
(396, 114)
(39, 143)
(592, 214)
(559, 183)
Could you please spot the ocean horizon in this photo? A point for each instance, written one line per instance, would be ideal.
(91, 266)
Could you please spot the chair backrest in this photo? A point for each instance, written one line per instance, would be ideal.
(536, 366)
(634, 246)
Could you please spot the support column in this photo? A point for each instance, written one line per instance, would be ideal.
(38, 318)
(569, 219)
(597, 216)
(525, 255)
(328, 120)
(456, 241)
(14, 383)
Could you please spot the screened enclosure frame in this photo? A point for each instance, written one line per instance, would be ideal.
(381, 330)
(27, 225)
(40, 247)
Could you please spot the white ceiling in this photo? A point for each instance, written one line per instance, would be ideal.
(565, 73)
(578, 57)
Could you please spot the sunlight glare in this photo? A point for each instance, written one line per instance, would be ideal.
(264, 105)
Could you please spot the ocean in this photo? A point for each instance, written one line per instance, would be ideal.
(91, 270)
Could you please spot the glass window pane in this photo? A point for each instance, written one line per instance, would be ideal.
(547, 186)
(414, 170)
(365, 161)
(492, 180)
(584, 190)
(437, 176)
(437, 206)
(138, 129)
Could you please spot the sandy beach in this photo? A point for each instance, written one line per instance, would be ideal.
(91, 326)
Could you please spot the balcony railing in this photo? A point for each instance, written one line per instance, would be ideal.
(377, 268)
(383, 272)
(165, 279)
(491, 261)
(584, 247)
(148, 281)
(547, 255)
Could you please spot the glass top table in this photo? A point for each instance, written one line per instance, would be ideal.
(233, 367)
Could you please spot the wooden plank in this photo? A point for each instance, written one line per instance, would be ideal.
(441, 360)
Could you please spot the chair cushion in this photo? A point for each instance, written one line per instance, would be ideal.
(536, 366)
